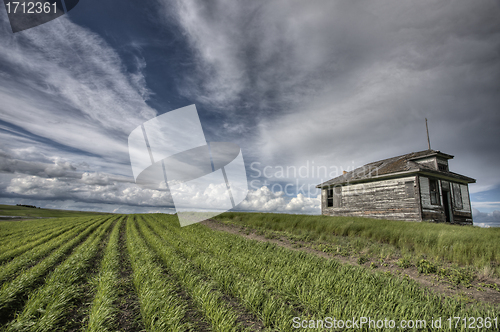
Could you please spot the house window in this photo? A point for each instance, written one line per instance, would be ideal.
(334, 197)
(443, 168)
(329, 198)
(410, 191)
(434, 191)
(457, 197)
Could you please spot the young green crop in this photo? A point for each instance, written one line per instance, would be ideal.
(12, 210)
(189, 278)
(18, 247)
(321, 287)
(256, 297)
(161, 308)
(48, 304)
(11, 291)
(30, 257)
(199, 286)
(104, 307)
(16, 232)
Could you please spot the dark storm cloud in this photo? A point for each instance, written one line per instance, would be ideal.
(341, 82)
(45, 168)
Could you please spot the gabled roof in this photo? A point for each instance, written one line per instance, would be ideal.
(392, 166)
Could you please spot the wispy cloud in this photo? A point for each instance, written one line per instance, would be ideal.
(66, 78)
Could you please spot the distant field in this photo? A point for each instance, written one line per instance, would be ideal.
(13, 210)
(464, 245)
(144, 272)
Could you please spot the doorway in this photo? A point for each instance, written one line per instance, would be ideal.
(447, 205)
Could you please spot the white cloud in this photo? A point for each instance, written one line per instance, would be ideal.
(485, 218)
(302, 204)
(265, 200)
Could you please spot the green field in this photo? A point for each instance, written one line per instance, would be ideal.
(440, 243)
(21, 211)
(144, 272)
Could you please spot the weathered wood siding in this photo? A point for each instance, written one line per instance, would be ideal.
(430, 162)
(387, 199)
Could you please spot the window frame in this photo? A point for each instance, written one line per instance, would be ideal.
(458, 203)
(334, 197)
(442, 168)
(329, 197)
(434, 192)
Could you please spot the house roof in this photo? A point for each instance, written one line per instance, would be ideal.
(393, 166)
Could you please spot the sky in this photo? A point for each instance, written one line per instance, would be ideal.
(298, 85)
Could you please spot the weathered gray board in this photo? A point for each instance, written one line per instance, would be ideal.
(406, 198)
(393, 199)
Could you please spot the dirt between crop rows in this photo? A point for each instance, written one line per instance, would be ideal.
(487, 295)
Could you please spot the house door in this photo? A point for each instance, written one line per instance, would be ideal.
(446, 205)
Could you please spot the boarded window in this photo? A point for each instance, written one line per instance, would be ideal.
(434, 192)
(334, 198)
(445, 185)
(424, 191)
(465, 197)
(457, 197)
(410, 191)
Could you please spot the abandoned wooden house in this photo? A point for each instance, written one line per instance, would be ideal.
(416, 187)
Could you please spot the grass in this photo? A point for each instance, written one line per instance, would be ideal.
(14, 210)
(464, 245)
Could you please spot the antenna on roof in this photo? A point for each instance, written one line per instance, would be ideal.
(428, 140)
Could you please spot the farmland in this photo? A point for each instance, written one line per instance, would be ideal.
(464, 245)
(144, 272)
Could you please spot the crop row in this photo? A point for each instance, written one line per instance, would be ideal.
(200, 287)
(104, 306)
(161, 307)
(16, 248)
(312, 285)
(30, 257)
(31, 230)
(13, 290)
(48, 304)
